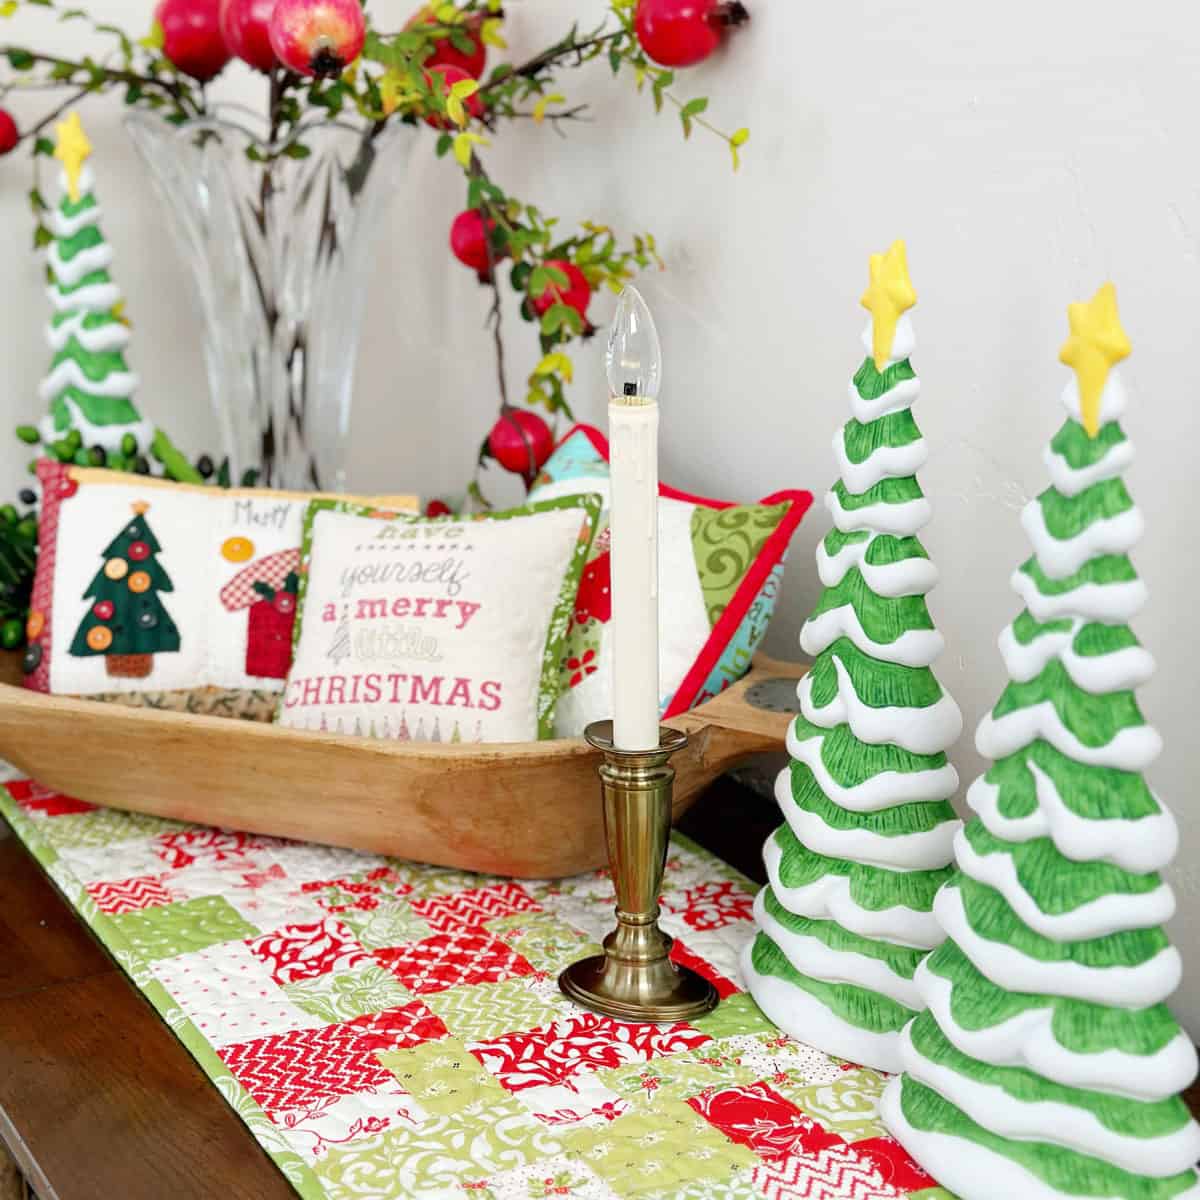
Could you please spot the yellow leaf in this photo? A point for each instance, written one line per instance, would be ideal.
(463, 143)
(741, 137)
(539, 109)
(464, 88)
(390, 83)
(447, 14)
(639, 75)
(152, 41)
(558, 362)
(455, 110)
(490, 34)
(8, 8)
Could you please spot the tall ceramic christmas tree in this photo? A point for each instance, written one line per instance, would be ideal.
(847, 915)
(89, 386)
(128, 622)
(1048, 1065)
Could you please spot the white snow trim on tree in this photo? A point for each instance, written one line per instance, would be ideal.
(1138, 845)
(1132, 987)
(1053, 1122)
(1027, 1040)
(96, 297)
(1110, 603)
(925, 851)
(69, 272)
(903, 519)
(68, 373)
(1070, 481)
(971, 1170)
(1133, 748)
(101, 340)
(1112, 398)
(927, 730)
(1060, 558)
(886, 462)
(85, 183)
(1097, 918)
(885, 790)
(913, 648)
(805, 1018)
(108, 436)
(810, 956)
(829, 899)
(63, 226)
(909, 577)
(1116, 671)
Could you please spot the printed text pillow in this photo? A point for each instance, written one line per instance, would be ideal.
(164, 594)
(719, 568)
(440, 630)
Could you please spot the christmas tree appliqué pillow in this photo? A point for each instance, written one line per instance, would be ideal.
(439, 630)
(163, 594)
(719, 570)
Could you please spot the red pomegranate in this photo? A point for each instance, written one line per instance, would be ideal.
(446, 53)
(192, 38)
(577, 293)
(681, 33)
(448, 77)
(520, 441)
(9, 137)
(244, 26)
(468, 241)
(317, 37)
(437, 508)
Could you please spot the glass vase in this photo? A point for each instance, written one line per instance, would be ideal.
(278, 240)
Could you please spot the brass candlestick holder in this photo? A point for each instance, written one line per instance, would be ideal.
(634, 978)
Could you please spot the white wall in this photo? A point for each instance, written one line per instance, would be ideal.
(1026, 153)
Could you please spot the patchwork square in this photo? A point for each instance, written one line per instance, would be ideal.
(305, 951)
(562, 1175)
(464, 910)
(711, 905)
(736, 1014)
(296, 1070)
(387, 926)
(344, 996)
(130, 895)
(449, 960)
(335, 1120)
(557, 1053)
(488, 1010)
(832, 1173)
(848, 1105)
(683, 955)
(172, 929)
(45, 802)
(894, 1164)
(443, 1077)
(540, 937)
(183, 847)
(678, 1076)
(584, 1101)
(759, 1117)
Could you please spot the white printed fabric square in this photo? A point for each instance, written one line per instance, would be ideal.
(435, 630)
(148, 586)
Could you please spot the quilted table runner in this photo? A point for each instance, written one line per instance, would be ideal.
(390, 1030)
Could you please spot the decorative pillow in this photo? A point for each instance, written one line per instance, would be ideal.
(165, 594)
(437, 629)
(719, 570)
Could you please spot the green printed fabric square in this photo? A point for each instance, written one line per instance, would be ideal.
(489, 1010)
(544, 941)
(337, 998)
(443, 1077)
(179, 928)
(676, 1077)
(391, 924)
(849, 1106)
(103, 827)
(441, 1157)
(736, 1014)
(664, 1149)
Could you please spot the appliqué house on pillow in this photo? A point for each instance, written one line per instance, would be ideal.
(720, 566)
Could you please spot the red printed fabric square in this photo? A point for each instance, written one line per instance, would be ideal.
(711, 905)
(297, 952)
(470, 909)
(685, 958)
(213, 845)
(34, 798)
(759, 1117)
(833, 1173)
(453, 960)
(894, 1164)
(555, 1054)
(295, 1070)
(358, 895)
(130, 895)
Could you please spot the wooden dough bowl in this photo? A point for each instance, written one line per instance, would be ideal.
(526, 809)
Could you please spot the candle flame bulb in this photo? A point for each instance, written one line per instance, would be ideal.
(633, 359)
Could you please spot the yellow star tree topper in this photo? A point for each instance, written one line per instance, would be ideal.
(1096, 344)
(889, 294)
(72, 151)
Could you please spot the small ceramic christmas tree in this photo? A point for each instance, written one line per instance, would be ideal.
(1048, 1065)
(128, 622)
(89, 386)
(847, 915)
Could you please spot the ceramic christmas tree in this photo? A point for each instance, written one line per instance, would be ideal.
(128, 622)
(1048, 1065)
(89, 386)
(847, 914)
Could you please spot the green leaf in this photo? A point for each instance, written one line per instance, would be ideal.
(519, 276)
(36, 201)
(444, 142)
(297, 150)
(41, 237)
(19, 60)
(474, 191)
